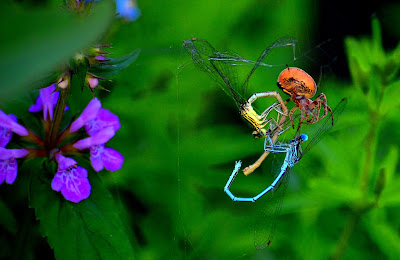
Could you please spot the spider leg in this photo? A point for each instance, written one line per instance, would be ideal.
(291, 115)
(314, 114)
(302, 118)
(321, 99)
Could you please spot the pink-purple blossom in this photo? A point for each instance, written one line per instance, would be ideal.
(104, 119)
(89, 113)
(8, 162)
(98, 139)
(46, 101)
(102, 157)
(10, 122)
(9, 165)
(6, 133)
(71, 180)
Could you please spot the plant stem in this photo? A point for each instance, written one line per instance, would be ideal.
(56, 123)
(370, 141)
(345, 236)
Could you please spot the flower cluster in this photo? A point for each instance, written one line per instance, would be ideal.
(100, 124)
(86, 68)
(72, 180)
(8, 157)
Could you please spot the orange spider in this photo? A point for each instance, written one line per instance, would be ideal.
(301, 87)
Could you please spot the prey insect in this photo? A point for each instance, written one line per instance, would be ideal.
(266, 224)
(301, 87)
(220, 66)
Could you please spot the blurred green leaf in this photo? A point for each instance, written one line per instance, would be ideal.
(39, 40)
(389, 103)
(357, 64)
(90, 229)
(380, 183)
(385, 237)
(390, 163)
(115, 65)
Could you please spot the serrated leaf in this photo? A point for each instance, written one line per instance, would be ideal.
(37, 41)
(115, 65)
(90, 229)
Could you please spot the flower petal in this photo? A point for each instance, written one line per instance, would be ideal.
(6, 154)
(64, 162)
(8, 170)
(105, 118)
(5, 136)
(73, 184)
(38, 106)
(95, 157)
(11, 173)
(88, 114)
(47, 101)
(100, 138)
(112, 159)
(2, 173)
(8, 122)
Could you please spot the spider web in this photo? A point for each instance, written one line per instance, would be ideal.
(189, 236)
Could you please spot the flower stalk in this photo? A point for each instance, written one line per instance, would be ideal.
(56, 123)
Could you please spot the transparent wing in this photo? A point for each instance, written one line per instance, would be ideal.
(325, 127)
(218, 65)
(283, 42)
(285, 128)
(270, 209)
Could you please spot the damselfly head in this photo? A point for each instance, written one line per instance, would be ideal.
(303, 137)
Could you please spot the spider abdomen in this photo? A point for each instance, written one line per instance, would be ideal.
(296, 81)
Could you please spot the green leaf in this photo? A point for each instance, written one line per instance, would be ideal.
(40, 40)
(390, 195)
(358, 66)
(389, 103)
(7, 220)
(115, 65)
(386, 237)
(90, 229)
(390, 162)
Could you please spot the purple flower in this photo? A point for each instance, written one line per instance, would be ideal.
(128, 9)
(71, 180)
(100, 156)
(103, 120)
(109, 158)
(89, 113)
(98, 139)
(6, 133)
(8, 163)
(46, 101)
(10, 122)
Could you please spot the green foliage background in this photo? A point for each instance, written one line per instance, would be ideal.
(181, 135)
